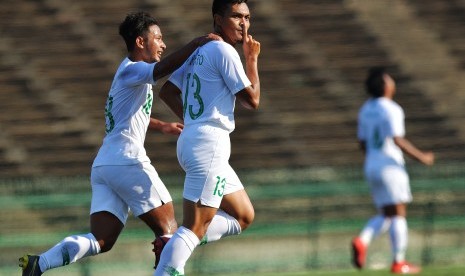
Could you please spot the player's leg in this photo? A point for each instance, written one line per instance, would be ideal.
(203, 153)
(397, 195)
(162, 222)
(397, 183)
(106, 228)
(399, 239)
(236, 213)
(68, 251)
(398, 231)
(238, 205)
(377, 224)
(108, 215)
(180, 247)
(149, 200)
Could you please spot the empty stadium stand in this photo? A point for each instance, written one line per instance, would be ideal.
(57, 59)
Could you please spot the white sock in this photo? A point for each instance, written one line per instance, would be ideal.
(399, 237)
(374, 227)
(222, 225)
(68, 251)
(176, 252)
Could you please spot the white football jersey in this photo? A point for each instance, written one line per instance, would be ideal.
(209, 80)
(127, 115)
(379, 121)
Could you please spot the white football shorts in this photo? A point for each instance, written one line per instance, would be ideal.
(203, 152)
(118, 189)
(389, 185)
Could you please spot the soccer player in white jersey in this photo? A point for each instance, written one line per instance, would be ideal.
(203, 92)
(381, 134)
(122, 177)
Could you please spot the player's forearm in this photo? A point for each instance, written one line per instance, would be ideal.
(172, 62)
(408, 148)
(171, 96)
(175, 104)
(252, 74)
(155, 124)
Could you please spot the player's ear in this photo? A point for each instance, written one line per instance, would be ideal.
(140, 42)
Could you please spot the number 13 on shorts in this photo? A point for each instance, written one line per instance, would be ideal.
(219, 187)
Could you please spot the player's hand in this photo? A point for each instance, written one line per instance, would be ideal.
(172, 128)
(428, 158)
(250, 46)
(202, 40)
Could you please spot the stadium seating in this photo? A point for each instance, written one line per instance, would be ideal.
(58, 59)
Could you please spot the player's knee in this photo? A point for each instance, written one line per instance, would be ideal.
(106, 245)
(246, 219)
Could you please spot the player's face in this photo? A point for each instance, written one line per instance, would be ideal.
(390, 85)
(234, 23)
(153, 45)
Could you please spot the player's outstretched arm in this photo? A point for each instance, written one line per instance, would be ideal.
(249, 97)
(172, 62)
(407, 147)
(171, 95)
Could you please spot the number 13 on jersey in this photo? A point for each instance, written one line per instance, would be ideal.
(193, 85)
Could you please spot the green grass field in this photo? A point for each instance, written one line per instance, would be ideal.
(427, 271)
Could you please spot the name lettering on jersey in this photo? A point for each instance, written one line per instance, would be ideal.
(196, 60)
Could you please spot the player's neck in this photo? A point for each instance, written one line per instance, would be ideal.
(135, 56)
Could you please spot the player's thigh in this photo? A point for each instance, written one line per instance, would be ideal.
(105, 198)
(389, 185)
(397, 184)
(138, 185)
(142, 189)
(204, 155)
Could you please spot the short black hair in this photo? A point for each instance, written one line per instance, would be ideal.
(135, 24)
(220, 6)
(374, 83)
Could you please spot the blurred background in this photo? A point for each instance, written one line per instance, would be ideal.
(297, 155)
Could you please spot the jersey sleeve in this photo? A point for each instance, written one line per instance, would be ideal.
(231, 68)
(138, 73)
(396, 124)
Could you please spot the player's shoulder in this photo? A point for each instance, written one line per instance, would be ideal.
(391, 105)
(368, 104)
(219, 47)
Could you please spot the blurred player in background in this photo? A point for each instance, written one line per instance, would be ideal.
(203, 92)
(381, 134)
(122, 176)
